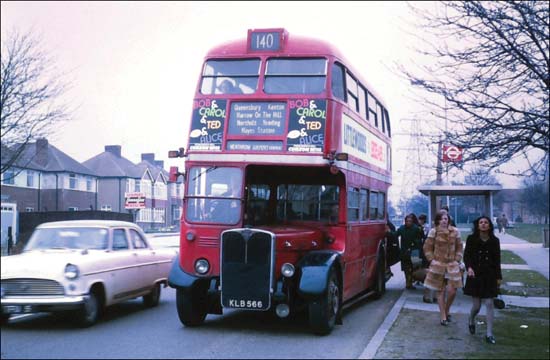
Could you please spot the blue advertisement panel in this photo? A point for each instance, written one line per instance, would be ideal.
(257, 118)
(207, 125)
(306, 128)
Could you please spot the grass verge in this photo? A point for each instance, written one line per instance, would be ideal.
(521, 333)
(534, 284)
(510, 257)
(529, 232)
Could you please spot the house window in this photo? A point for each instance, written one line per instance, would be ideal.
(8, 177)
(72, 181)
(138, 186)
(30, 178)
(89, 184)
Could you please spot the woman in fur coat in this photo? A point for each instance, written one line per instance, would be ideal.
(482, 259)
(443, 250)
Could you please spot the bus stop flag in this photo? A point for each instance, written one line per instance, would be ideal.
(452, 153)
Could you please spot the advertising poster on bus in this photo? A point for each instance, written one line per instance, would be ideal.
(207, 125)
(306, 126)
(256, 120)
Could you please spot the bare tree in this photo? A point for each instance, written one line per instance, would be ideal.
(488, 78)
(480, 176)
(535, 194)
(30, 94)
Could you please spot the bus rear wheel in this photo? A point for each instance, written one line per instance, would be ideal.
(380, 286)
(191, 305)
(324, 310)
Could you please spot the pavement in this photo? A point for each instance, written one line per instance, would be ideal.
(536, 257)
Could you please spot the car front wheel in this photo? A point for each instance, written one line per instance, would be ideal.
(89, 313)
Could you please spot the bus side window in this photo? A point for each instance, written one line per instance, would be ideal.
(337, 82)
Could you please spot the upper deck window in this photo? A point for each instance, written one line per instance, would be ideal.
(337, 82)
(295, 76)
(230, 76)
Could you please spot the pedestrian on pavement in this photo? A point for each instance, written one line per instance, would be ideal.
(428, 296)
(411, 236)
(502, 223)
(443, 249)
(482, 259)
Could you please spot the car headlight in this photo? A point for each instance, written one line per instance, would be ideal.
(202, 266)
(71, 271)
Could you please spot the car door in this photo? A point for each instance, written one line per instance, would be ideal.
(124, 273)
(144, 258)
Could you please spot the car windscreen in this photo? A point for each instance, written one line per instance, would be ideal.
(68, 238)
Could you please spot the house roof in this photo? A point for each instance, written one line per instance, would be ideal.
(57, 161)
(154, 170)
(107, 164)
(24, 163)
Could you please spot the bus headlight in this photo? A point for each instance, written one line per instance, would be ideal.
(287, 270)
(202, 266)
(190, 236)
(71, 271)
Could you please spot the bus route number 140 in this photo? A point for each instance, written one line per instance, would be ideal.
(265, 41)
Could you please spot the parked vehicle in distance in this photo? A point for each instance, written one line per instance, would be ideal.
(81, 267)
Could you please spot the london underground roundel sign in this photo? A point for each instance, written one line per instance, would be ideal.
(451, 153)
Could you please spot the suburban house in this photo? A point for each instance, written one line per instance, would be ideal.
(46, 179)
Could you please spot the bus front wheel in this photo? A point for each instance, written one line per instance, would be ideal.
(324, 310)
(191, 306)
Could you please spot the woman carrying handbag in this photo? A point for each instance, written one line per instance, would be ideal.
(482, 259)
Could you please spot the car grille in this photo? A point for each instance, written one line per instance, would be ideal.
(31, 287)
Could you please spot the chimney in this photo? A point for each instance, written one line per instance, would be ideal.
(41, 152)
(114, 149)
(148, 157)
(159, 163)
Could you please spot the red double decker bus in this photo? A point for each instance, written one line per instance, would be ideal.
(287, 168)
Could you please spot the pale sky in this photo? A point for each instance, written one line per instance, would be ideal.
(133, 66)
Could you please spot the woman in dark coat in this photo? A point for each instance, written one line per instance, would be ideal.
(482, 259)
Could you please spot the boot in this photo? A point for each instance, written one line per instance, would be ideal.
(409, 281)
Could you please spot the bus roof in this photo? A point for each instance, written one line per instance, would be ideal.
(295, 45)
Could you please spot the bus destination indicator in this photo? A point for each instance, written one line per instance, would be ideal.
(257, 118)
(265, 41)
(306, 129)
(207, 125)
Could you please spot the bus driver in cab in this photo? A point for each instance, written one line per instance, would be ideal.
(228, 210)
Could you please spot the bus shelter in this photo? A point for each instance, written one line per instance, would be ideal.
(433, 191)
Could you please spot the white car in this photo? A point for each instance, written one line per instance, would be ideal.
(83, 266)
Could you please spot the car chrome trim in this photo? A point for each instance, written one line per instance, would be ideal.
(44, 300)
